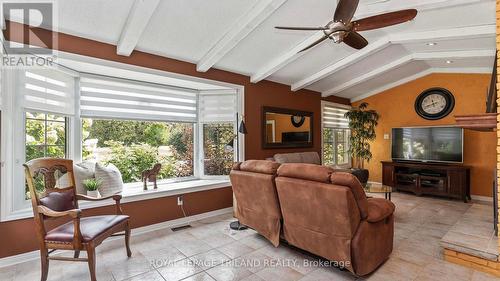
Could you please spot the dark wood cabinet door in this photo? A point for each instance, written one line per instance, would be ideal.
(457, 183)
(388, 175)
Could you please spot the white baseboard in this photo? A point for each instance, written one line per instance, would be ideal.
(34, 255)
(482, 198)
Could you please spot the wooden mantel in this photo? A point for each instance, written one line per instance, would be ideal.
(486, 122)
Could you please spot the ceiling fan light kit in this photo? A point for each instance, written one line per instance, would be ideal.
(343, 29)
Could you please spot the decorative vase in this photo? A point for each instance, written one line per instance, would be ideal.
(93, 193)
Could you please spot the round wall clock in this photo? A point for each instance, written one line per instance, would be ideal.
(297, 121)
(434, 104)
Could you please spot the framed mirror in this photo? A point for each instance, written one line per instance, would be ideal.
(286, 128)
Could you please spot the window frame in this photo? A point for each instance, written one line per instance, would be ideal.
(347, 165)
(201, 148)
(46, 121)
(12, 117)
(162, 181)
(335, 144)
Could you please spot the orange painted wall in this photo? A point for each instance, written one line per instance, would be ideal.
(396, 109)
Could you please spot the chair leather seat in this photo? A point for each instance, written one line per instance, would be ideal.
(90, 227)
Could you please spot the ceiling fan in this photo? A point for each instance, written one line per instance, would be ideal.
(342, 29)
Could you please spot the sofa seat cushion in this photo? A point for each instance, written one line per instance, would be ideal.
(379, 209)
(90, 227)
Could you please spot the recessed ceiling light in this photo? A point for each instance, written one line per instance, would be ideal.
(449, 61)
(431, 44)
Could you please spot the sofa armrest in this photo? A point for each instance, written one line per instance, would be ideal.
(379, 209)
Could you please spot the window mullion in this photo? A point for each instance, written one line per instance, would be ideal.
(45, 136)
(335, 147)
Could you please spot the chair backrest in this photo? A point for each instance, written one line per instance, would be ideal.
(256, 197)
(44, 176)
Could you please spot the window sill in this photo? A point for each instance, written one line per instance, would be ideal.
(133, 193)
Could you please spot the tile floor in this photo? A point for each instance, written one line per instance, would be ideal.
(473, 234)
(211, 251)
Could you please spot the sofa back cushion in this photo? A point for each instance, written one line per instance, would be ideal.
(259, 166)
(300, 157)
(318, 217)
(352, 182)
(310, 172)
(257, 200)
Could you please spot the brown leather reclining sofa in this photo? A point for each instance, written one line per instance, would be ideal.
(315, 209)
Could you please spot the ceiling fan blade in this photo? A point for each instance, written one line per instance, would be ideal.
(355, 40)
(315, 43)
(384, 20)
(345, 10)
(300, 28)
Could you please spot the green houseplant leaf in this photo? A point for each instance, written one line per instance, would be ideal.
(92, 184)
(362, 123)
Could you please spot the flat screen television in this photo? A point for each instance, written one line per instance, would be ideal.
(428, 144)
(295, 137)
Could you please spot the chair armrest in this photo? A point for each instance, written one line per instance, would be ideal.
(74, 213)
(379, 209)
(116, 197)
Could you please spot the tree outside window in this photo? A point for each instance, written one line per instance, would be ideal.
(45, 136)
(219, 148)
(335, 146)
(134, 146)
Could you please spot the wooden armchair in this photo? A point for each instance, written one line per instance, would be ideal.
(81, 233)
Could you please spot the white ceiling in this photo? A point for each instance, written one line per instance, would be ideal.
(239, 36)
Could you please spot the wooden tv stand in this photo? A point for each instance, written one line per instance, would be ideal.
(446, 180)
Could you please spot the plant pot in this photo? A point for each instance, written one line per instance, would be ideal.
(93, 193)
(361, 174)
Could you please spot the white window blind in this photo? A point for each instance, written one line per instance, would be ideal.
(105, 97)
(333, 116)
(47, 90)
(218, 107)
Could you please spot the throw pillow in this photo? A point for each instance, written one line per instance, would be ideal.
(111, 179)
(89, 165)
(81, 174)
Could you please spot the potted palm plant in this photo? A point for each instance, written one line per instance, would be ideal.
(362, 123)
(92, 185)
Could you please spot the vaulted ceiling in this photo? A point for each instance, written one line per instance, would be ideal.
(239, 36)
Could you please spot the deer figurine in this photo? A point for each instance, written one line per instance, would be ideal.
(150, 175)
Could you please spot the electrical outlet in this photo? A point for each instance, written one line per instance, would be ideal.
(180, 201)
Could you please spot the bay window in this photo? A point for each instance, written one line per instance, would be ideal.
(134, 146)
(218, 130)
(45, 135)
(335, 135)
(218, 148)
(128, 123)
